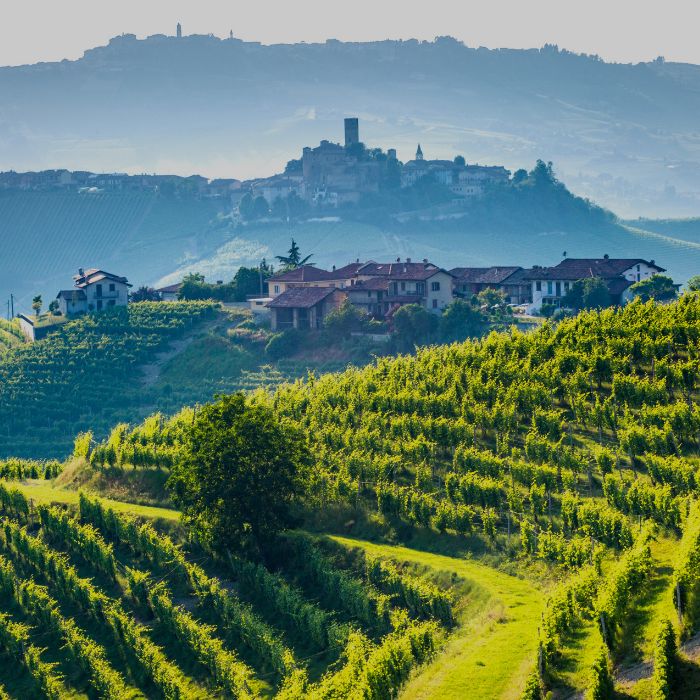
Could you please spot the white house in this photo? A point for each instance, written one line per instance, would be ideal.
(551, 284)
(94, 290)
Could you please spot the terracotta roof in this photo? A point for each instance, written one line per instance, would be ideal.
(484, 275)
(305, 273)
(345, 272)
(70, 294)
(300, 297)
(170, 288)
(401, 270)
(579, 268)
(95, 275)
(371, 285)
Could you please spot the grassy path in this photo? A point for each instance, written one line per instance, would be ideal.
(643, 622)
(491, 652)
(42, 492)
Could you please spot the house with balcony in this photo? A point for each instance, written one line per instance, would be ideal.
(509, 279)
(93, 290)
(551, 284)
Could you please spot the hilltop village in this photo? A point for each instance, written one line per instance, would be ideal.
(329, 175)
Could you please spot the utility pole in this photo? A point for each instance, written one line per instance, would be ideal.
(12, 304)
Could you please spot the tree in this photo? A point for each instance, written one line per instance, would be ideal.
(36, 304)
(459, 160)
(459, 321)
(245, 206)
(53, 308)
(492, 298)
(248, 281)
(341, 322)
(693, 284)
(519, 176)
(413, 325)
(588, 293)
(145, 293)
(293, 258)
(657, 287)
(260, 208)
(241, 474)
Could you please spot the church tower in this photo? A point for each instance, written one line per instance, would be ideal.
(179, 31)
(419, 153)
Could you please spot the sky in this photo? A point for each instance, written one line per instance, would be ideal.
(617, 30)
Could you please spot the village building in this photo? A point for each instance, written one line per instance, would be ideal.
(511, 280)
(303, 308)
(551, 284)
(170, 293)
(94, 290)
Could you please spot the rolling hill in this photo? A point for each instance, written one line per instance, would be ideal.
(624, 135)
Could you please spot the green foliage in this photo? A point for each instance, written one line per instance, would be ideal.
(283, 344)
(665, 661)
(656, 287)
(85, 375)
(413, 325)
(239, 475)
(344, 320)
(601, 685)
(588, 293)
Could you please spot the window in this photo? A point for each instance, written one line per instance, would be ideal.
(558, 285)
(403, 286)
(434, 286)
(277, 289)
(98, 291)
(99, 304)
(637, 268)
(420, 288)
(369, 294)
(549, 288)
(111, 287)
(435, 303)
(566, 287)
(538, 286)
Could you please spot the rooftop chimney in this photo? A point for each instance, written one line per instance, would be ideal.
(81, 272)
(408, 260)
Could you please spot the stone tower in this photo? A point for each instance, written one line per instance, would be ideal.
(352, 131)
(419, 153)
(179, 31)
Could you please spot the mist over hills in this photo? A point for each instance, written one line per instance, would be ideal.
(627, 136)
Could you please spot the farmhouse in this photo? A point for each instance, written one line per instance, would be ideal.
(303, 307)
(94, 290)
(551, 284)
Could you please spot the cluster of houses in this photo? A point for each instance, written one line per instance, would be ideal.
(303, 297)
(330, 174)
(335, 174)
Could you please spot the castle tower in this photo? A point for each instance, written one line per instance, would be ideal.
(419, 153)
(179, 31)
(352, 131)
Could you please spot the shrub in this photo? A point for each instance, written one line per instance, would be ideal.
(283, 344)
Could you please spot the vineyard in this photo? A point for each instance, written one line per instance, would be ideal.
(126, 612)
(84, 376)
(571, 451)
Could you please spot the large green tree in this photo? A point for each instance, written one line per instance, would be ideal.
(460, 320)
(588, 293)
(657, 287)
(241, 475)
(413, 325)
(293, 258)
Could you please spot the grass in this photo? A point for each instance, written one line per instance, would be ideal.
(494, 646)
(43, 492)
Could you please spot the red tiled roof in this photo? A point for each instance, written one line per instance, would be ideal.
(484, 275)
(580, 268)
(94, 275)
(300, 297)
(345, 272)
(170, 288)
(400, 270)
(373, 284)
(305, 273)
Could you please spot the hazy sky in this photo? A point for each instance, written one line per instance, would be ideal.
(619, 30)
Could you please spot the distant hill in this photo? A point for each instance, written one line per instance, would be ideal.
(624, 135)
(46, 236)
(154, 239)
